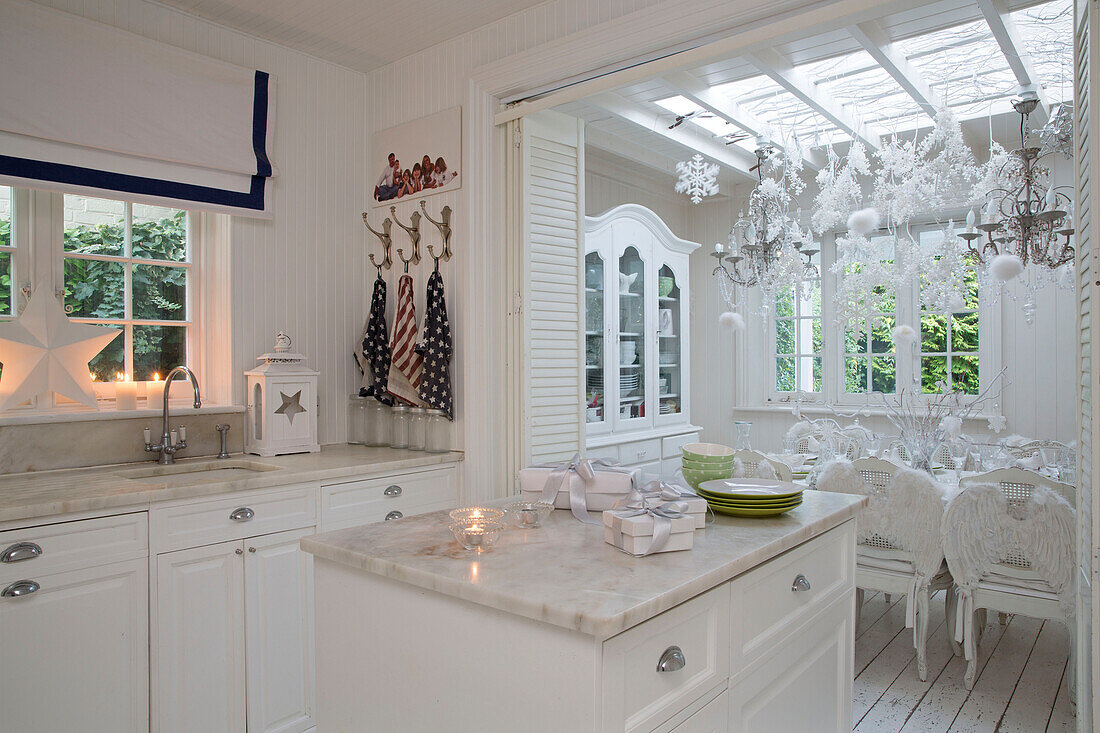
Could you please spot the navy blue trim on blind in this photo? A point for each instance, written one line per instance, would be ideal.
(73, 175)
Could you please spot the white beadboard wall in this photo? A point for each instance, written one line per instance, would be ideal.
(305, 270)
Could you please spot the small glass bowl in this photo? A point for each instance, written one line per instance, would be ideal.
(478, 535)
(477, 514)
(529, 514)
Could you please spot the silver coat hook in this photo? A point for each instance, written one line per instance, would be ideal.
(386, 240)
(413, 230)
(444, 227)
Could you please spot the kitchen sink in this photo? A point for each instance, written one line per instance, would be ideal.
(198, 472)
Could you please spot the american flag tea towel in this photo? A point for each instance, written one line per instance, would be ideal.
(436, 349)
(406, 365)
(373, 355)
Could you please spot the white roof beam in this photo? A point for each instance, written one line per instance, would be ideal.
(1004, 30)
(783, 73)
(732, 157)
(877, 43)
(723, 107)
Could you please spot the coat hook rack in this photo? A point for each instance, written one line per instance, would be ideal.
(444, 227)
(386, 240)
(413, 230)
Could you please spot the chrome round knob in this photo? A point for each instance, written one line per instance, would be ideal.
(239, 551)
(20, 588)
(251, 549)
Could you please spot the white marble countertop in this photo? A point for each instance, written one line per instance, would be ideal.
(49, 493)
(563, 573)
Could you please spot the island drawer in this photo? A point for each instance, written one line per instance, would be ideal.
(690, 642)
(776, 599)
(52, 548)
(352, 503)
(235, 517)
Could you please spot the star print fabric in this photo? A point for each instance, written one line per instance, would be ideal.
(373, 355)
(436, 348)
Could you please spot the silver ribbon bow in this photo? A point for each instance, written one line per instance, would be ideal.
(638, 504)
(673, 492)
(586, 469)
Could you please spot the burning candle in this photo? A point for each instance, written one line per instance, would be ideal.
(125, 393)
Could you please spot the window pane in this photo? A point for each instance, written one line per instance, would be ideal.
(804, 336)
(884, 374)
(784, 337)
(784, 374)
(160, 293)
(933, 333)
(882, 336)
(94, 226)
(817, 335)
(932, 370)
(855, 342)
(5, 284)
(5, 216)
(784, 303)
(809, 374)
(159, 233)
(964, 332)
(855, 374)
(109, 363)
(971, 297)
(815, 300)
(95, 289)
(964, 372)
(158, 349)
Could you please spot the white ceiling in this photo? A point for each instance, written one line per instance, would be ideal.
(360, 34)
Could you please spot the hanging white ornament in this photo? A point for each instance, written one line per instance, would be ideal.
(698, 178)
(43, 351)
(1006, 267)
(732, 321)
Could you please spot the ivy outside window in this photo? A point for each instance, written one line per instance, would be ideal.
(870, 361)
(949, 343)
(797, 337)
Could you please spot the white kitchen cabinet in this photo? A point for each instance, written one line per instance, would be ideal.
(713, 718)
(74, 654)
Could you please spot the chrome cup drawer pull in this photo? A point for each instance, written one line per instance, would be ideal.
(394, 515)
(20, 551)
(20, 588)
(242, 514)
(800, 583)
(672, 660)
(393, 490)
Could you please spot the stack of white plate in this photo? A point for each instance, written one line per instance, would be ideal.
(627, 384)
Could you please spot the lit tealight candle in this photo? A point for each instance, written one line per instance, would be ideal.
(125, 393)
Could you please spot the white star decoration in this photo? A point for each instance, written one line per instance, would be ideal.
(292, 405)
(698, 178)
(43, 351)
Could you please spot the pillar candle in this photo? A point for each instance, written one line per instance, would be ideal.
(125, 395)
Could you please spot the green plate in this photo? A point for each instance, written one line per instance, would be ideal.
(769, 512)
(749, 489)
(754, 504)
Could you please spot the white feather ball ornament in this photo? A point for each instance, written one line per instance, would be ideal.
(904, 334)
(863, 221)
(731, 321)
(1006, 267)
(956, 302)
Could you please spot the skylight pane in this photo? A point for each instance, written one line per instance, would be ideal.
(786, 116)
(1047, 34)
(678, 105)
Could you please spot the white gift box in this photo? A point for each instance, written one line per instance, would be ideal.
(637, 532)
(605, 489)
(696, 509)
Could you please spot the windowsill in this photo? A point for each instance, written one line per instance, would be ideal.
(106, 412)
(825, 410)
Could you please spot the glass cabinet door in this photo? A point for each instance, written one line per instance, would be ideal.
(594, 338)
(631, 340)
(669, 343)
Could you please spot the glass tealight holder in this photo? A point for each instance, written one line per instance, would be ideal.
(476, 514)
(529, 514)
(477, 535)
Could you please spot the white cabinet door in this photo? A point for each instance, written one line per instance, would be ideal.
(74, 655)
(805, 684)
(200, 635)
(278, 625)
(712, 718)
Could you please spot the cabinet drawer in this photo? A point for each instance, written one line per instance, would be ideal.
(607, 452)
(203, 523)
(671, 447)
(640, 451)
(637, 696)
(767, 607)
(371, 500)
(73, 545)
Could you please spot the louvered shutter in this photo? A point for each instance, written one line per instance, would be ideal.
(553, 205)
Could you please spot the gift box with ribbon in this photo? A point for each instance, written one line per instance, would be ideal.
(664, 491)
(581, 485)
(644, 525)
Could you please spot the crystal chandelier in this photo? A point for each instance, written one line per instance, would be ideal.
(1020, 219)
(766, 246)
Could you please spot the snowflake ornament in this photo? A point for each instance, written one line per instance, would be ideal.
(698, 178)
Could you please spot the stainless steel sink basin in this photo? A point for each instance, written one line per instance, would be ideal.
(198, 472)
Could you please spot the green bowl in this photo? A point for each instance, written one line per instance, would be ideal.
(695, 477)
(665, 285)
(702, 466)
(709, 453)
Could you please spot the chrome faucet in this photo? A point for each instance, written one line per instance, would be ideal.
(168, 443)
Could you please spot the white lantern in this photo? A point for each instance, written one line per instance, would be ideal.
(282, 404)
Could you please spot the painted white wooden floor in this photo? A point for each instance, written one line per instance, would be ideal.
(1021, 684)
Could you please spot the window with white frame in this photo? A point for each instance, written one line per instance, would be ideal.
(870, 363)
(798, 338)
(950, 343)
(115, 264)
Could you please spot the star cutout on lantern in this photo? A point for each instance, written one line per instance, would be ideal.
(292, 405)
(43, 351)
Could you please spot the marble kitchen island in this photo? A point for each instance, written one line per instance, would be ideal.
(552, 629)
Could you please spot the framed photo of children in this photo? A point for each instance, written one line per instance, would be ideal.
(417, 158)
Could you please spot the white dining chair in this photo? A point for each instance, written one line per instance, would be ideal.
(751, 461)
(898, 548)
(1008, 537)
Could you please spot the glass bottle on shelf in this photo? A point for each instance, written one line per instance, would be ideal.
(594, 338)
(400, 436)
(439, 432)
(418, 428)
(632, 376)
(669, 373)
(743, 429)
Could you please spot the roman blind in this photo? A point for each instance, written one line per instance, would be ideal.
(89, 108)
